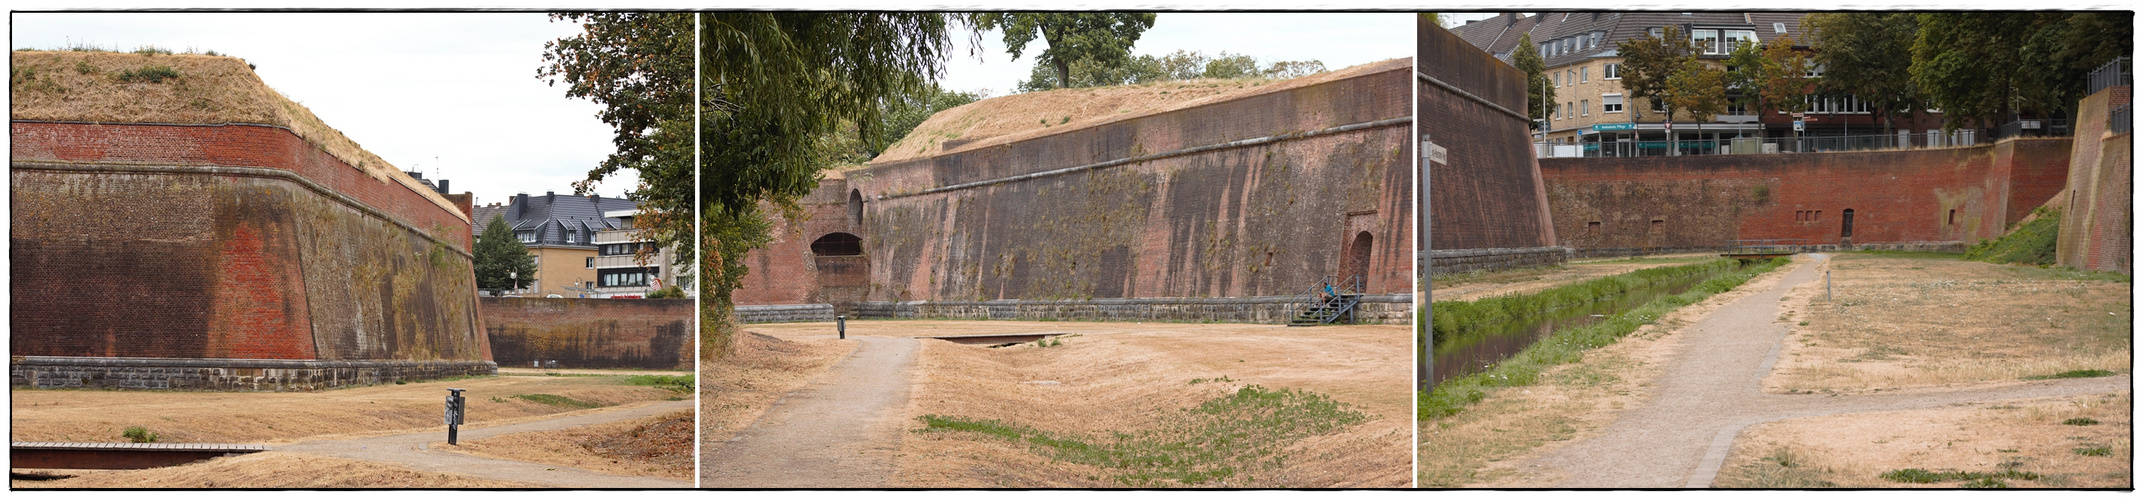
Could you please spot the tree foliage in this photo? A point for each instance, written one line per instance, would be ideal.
(1697, 88)
(502, 262)
(1103, 38)
(775, 88)
(1648, 63)
(1992, 65)
(1772, 76)
(1868, 55)
(1180, 65)
(1539, 95)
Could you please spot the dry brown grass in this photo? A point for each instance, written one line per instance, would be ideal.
(1899, 322)
(736, 389)
(1853, 451)
(253, 417)
(265, 470)
(1128, 377)
(658, 446)
(1016, 117)
(1482, 446)
(86, 87)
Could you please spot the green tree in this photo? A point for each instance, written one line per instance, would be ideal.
(1772, 76)
(1697, 88)
(1231, 66)
(1282, 70)
(1868, 55)
(775, 89)
(502, 262)
(1539, 95)
(1647, 64)
(1992, 66)
(903, 112)
(1102, 37)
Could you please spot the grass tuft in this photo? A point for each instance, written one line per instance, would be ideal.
(557, 400)
(2072, 374)
(140, 434)
(2030, 243)
(151, 74)
(678, 383)
(1221, 440)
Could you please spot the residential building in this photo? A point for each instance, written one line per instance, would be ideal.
(560, 232)
(621, 269)
(1594, 112)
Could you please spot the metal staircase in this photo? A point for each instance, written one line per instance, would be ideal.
(1328, 301)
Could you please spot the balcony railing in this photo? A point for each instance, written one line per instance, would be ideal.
(1773, 145)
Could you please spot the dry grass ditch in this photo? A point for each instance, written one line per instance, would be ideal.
(658, 446)
(1160, 405)
(285, 417)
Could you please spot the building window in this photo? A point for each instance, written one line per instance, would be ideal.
(1567, 111)
(1611, 103)
(1596, 37)
(1558, 80)
(1656, 32)
(526, 236)
(1584, 107)
(591, 263)
(1736, 37)
(637, 276)
(1613, 72)
(1706, 41)
(1815, 70)
(1737, 108)
(1584, 74)
(1778, 27)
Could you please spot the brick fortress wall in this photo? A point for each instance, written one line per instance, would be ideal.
(228, 242)
(1255, 220)
(2097, 227)
(590, 333)
(1488, 204)
(1938, 199)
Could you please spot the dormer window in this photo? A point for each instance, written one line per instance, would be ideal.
(1778, 27)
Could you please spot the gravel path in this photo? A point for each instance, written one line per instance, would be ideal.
(411, 450)
(839, 432)
(1679, 437)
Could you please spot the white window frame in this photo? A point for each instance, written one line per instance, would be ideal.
(1584, 107)
(1778, 27)
(1612, 72)
(1708, 49)
(1604, 103)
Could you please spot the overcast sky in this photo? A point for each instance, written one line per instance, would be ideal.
(455, 95)
(1338, 39)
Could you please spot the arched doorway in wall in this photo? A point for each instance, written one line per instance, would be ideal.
(855, 208)
(844, 272)
(1355, 262)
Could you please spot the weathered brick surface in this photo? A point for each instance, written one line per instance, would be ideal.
(785, 313)
(591, 333)
(1383, 308)
(2097, 230)
(1490, 194)
(1231, 222)
(46, 372)
(233, 241)
(1607, 205)
(1489, 259)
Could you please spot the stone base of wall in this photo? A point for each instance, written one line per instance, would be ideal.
(62, 372)
(785, 313)
(1374, 309)
(1491, 259)
(1910, 246)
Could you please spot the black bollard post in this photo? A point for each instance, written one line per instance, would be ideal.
(840, 325)
(454, 406)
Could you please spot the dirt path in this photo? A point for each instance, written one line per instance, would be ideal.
(420, 451)
(839, 432)
(1711, 390)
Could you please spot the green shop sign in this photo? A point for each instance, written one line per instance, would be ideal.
(1614, 126)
